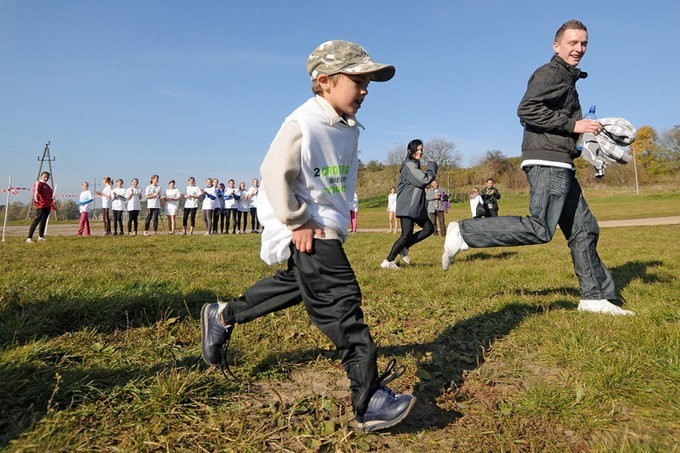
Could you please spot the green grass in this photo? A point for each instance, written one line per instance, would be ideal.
(100, 347)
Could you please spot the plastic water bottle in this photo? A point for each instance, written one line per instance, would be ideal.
(591, 113)
(588, 116)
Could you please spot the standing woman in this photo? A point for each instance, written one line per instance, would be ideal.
(208, 205)
(231, 198)
(43, 200)
(133, 195)
(392, 209)
(192, 196)
(118, 206)
(106, 195)
(171, 198)
(219, 204)
(152, 195)
(243, 208)
(353, 210)
(252, 199)
(411, 203)
(84, 206)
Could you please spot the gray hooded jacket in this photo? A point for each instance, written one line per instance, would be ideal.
(411, 188)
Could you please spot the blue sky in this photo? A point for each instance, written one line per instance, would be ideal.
(178, 88)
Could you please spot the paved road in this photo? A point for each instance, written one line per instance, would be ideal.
(97, 228)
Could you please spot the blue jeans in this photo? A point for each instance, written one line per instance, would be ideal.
(555, 199)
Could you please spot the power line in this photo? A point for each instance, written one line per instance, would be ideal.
(22, 133)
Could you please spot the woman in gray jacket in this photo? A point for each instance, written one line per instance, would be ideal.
(411, 203)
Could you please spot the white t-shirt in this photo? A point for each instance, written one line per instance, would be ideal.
(192, 191)
(392, 202)
(155, 192)
(473, 204)
(85, 195)
(106, 197)
(171, 201)
(118, 199)
(230, 194)
(243, 203)
(134, 203)
(252, 194)
(209, 203)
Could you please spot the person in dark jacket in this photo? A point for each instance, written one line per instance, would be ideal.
(551, 116)
(490, 196)
(411, 203)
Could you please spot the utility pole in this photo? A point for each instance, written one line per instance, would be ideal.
(49, 159)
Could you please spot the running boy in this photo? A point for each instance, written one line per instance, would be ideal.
(304, 209)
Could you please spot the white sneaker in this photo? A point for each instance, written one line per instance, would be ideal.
(40, 239)
(29, 240)
(404, 255)
(603, 306)
(453, 244)
(389, 265)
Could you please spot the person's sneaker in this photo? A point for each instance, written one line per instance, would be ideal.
(214, 334)
(389, 265)
(385, 409)
(40, 238)
(453, 244)
(29, 240)
(603, 306)
(404, 256)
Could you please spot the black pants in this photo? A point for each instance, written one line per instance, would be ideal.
(408, 238)
(231, 216)
(133, 221)
(254, 221)
(40, 218)
(216, 219)
(118, 220)
(189, 214)
(223, 217)
(325, 282)
(107, 220)
(152, 219)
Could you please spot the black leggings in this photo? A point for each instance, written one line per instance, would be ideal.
(408, 238)
(41, 216)
(232, 214)
(133, 221)
(118, 220)
(189, 214)
(254, 221)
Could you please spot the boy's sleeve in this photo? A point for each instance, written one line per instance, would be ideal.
(280, 167)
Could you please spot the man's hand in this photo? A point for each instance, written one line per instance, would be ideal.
(583, 126)
(303, 236)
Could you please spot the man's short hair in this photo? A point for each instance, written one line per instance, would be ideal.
(572, 24)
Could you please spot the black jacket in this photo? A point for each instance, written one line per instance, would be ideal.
(548, 112)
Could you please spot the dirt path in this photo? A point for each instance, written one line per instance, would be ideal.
(97, 228)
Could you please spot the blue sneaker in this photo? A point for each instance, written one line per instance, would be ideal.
(385, 409)
(214, 334)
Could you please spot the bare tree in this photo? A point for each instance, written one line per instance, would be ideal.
(443, 151)
(396, 155)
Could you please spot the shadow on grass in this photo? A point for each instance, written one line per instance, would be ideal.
(51, 378)
(456, 351)
(136, 305)
(483, 256)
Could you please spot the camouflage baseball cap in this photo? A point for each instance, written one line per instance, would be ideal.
(333, 57)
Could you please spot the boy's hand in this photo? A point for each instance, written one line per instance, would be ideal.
(303, 236)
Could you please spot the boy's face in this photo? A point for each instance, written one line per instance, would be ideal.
(346, 92)
(572, 46)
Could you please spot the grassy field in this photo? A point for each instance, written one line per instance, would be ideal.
(100, 346)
